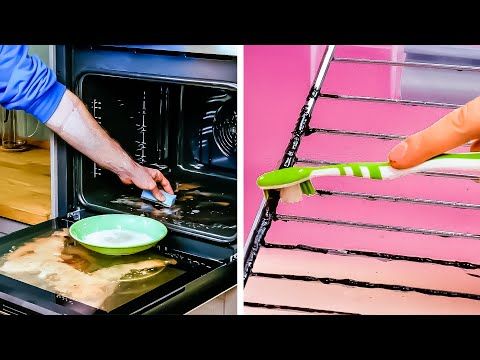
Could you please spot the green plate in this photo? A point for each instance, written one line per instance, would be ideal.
(155, 230)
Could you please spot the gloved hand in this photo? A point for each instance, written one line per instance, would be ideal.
(454, 129)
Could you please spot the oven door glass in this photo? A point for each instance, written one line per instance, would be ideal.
(43, 266)
(186, 130)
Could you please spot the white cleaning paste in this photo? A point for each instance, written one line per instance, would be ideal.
(108, 238)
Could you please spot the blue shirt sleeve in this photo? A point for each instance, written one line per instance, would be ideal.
(26, 83)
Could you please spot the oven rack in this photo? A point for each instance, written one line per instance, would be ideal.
(267, 213)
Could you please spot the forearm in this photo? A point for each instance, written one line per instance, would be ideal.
(73, 123)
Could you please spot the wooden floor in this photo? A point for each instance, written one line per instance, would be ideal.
(306, 282)
(25, 186)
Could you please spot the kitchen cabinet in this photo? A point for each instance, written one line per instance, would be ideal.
(25, 186)
(223, 304)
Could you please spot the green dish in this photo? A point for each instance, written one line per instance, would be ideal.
(154, 229)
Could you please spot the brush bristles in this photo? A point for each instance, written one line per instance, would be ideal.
(266, 194)
(308, 188)
(293, 194)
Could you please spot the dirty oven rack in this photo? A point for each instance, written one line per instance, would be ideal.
(268, 214)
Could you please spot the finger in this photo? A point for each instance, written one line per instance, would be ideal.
(158, 195)
(159, 177)
(454, 129)
(475, 146)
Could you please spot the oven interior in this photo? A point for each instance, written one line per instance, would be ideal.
(186, 130)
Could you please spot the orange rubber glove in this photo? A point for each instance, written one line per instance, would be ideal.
(454, 129)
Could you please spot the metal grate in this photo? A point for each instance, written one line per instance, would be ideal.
(267, 213)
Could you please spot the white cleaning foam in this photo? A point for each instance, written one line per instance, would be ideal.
(116, 238)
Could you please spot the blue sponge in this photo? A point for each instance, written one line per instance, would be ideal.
(169, 198)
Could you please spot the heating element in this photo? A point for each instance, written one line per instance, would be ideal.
(365, 247)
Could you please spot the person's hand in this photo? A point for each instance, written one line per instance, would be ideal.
(454, 129)
(147, 178)
(73, 123)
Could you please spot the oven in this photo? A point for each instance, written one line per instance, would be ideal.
(172, 108)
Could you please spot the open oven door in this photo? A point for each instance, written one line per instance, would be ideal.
(39, 275)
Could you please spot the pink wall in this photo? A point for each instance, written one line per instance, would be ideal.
(277, 80)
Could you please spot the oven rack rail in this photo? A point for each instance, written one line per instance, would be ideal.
(352, 283)
(267, 212)
(366, 134)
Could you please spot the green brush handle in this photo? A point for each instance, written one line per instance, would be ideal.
(383, 170)
(286, 177)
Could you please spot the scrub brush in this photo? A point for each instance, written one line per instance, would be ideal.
(293, 181)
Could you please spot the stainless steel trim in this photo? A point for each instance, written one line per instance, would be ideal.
(53, 150)
(151, 77)
(223, 50)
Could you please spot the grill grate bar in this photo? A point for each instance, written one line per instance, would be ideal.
(408, 64)
(391, 198)
(302, 247)
(366, 284)
(356, 133)
(364, 134)
(389, 100)
(425, 173)
(394, 228)
(295, 308)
